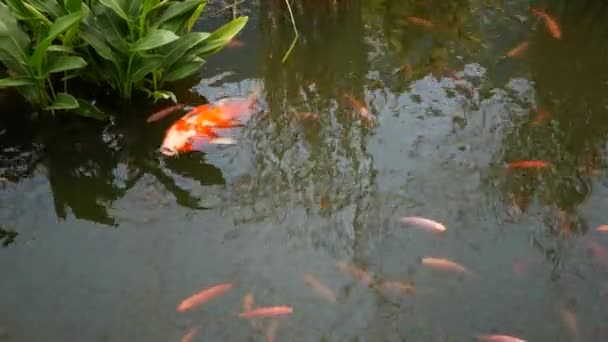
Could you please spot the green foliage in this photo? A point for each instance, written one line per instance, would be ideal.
(124, 44)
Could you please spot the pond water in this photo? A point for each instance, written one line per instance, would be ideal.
(104, 237)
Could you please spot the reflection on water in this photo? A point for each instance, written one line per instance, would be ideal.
(309, 185)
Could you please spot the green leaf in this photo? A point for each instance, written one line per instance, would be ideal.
(89, 110)
(93, 38)
(49, 7)
(64, 101)
(177, 49)
(144, 66)
(178, 8)
(65, 63)
(61, 48)
(18, 81)
(154, 39)
(164, 95)
(117, 7)
(220, 37)
(10, 28)
(195, 15)
(184, 69)
(60, 25)
(72, 5)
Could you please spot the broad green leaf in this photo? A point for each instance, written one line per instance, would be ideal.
(195, 15)
(34, 14)
(183, 70)
(220, 37)
(164, 95)
(145, 65)
(10, 28)
(18, 8)
(89, 110)
(72, 5)
(176, 9)
(51, 7)
(64, 101)
(177, 49)
(149, 5)
(18, 81)
(93, 38)
(154, 39)
(65, 63)
(117, 7)
(59, 26)
(135, 9)
(61, 48)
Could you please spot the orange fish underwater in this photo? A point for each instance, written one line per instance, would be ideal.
(518, 50)
(528, 164)
(203, 296)
(550, 23)
(269, 311)
(201, 125)
(427, 24)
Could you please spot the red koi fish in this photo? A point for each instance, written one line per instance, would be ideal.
(269, 311)
(528, 164)
(541, 117)
(321, 289)
(200, 126)
(423, 223)
(550, 22)
(518, 50)
(364, 113)
(427, 24)
(202, 297)
(445, 265)
(498, 338)
(164, 112)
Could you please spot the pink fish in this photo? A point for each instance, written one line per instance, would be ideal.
(602, 228)
(269, 311)
(203, 297)
(320, 288)
(164, 112)
(423, 223)
(498, 338)
(445, 265)
(271, 331)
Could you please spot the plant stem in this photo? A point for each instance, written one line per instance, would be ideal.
(295, 29)
(127, 81)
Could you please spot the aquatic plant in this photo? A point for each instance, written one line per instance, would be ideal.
(126, 44)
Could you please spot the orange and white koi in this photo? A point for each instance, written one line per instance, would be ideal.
(269, 311)
(320, 288)
(271, 331)
(427, 24)
(364, 113)
(518, 50)
(550, 22)
(164, 112)
(201, 125)
(203, 297)
(528, 164)
(445, 265)
(541, 117)
(498, 338)
(191, 334)
(363, 276)
(423, 223)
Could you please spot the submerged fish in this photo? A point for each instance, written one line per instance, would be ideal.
(355, 271)
(518, 50)
(423, 223)
(201, 125)
(364, 113)
(191, 334)
(528, 164)
(398, 287)
(269, 311)
(541, 117)
(445, 265)
(202, 297)
(498, 338)
(320, 288)
(164, 112)
(570, 321)
(248, 301)
(602, 228)
(235, 43)
(421, 22)
(550, 22)
(271, 331)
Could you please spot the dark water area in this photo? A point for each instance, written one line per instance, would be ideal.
(102, 237)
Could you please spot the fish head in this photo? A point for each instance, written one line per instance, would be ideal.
(177, 141)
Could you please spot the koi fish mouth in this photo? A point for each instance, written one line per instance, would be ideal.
(167, 151)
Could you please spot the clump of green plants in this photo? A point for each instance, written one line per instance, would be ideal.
(128, 45)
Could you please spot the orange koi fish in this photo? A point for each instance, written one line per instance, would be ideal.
(363, 111)
(541, 117)
(399, 287)
(355, 271)
(518, 50)
(423, 223)
(550, 23)
(320, 288)
(427, 24)
(271, 331)
(202, 297)
(191, 334)
(602, 228)
(164, 112)
(200, 126)
(269, 311)
(498, 338)
(570, 321)
(528, 164)
(445, 265)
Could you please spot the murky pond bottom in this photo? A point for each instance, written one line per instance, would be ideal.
(112, 236)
